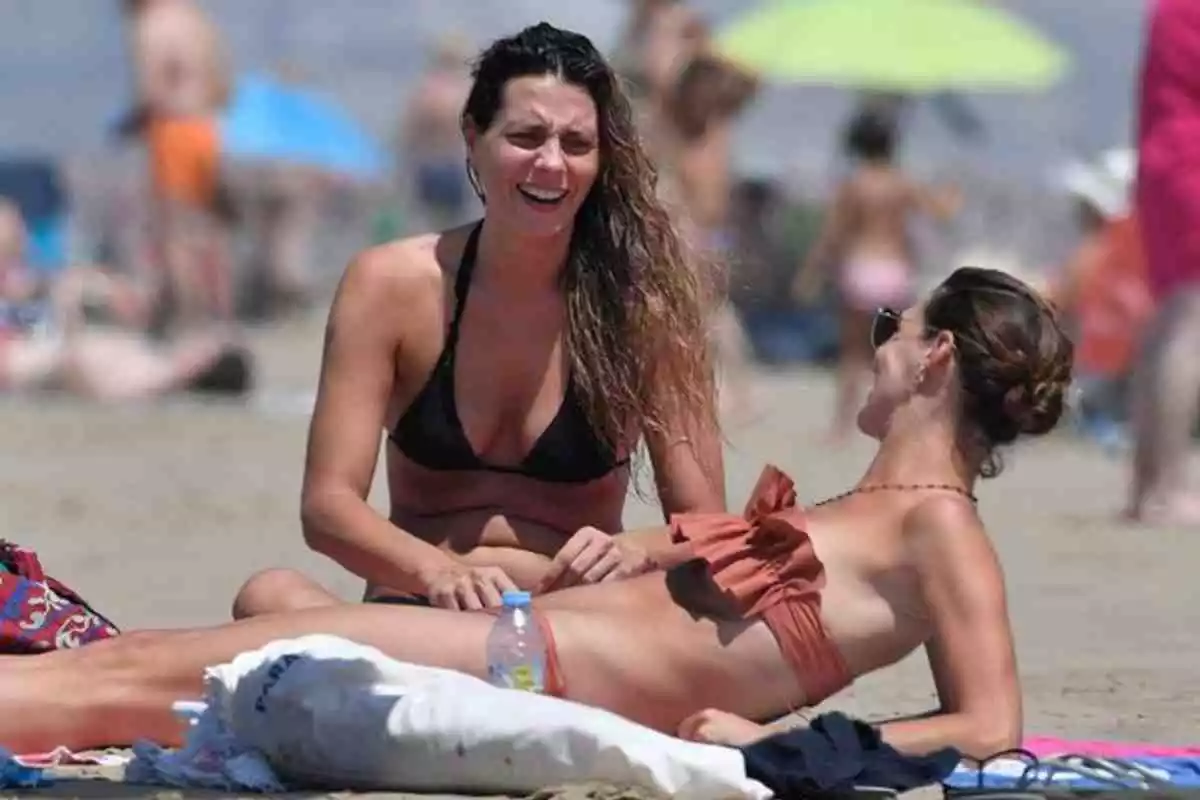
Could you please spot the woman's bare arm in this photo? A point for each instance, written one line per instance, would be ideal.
(374, 312)
(689, 473)
(690, 476)
(688, 462)
(657, 545)
(971, 650)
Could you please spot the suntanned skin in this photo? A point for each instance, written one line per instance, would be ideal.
(462, 537)
(904, 569)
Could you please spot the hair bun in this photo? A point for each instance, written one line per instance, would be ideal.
(1035, 407)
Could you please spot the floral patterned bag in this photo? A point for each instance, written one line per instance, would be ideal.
(38, 613)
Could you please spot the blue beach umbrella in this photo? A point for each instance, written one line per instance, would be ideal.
(270, 121)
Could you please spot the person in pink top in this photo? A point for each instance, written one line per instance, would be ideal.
(1168, 199)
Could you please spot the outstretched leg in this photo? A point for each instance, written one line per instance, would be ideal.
(1167, 391)
(626, 647)
(120, 690)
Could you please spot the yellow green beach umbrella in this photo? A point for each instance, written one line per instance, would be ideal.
(910, 46)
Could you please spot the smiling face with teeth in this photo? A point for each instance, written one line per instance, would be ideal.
(539, 158)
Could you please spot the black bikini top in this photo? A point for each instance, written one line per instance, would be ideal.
(431, 434)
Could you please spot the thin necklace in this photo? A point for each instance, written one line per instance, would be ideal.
(899, 487)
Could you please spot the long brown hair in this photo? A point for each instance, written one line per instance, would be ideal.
(638, 302)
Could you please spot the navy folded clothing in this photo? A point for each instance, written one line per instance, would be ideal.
(836, 753)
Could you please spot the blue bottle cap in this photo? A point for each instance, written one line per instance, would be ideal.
(516, 599)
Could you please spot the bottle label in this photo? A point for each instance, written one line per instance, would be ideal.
(522, 677)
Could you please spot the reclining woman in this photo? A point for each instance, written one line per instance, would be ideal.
(82, 330)
(516, 362)
(750, 615)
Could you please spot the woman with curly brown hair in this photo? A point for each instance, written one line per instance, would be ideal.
(748, 615)
(516, 362)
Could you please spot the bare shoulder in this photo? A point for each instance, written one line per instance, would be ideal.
(405, 267)
(947, 532)
(410, 274)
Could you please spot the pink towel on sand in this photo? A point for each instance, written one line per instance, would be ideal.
(1049, 745)
(62, 757)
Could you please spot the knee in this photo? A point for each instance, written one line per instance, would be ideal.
(270, 591)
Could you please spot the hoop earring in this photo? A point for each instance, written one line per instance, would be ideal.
(473, 178)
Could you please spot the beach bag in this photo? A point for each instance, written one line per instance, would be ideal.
(38, 613)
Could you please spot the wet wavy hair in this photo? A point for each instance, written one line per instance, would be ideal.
(638, 301)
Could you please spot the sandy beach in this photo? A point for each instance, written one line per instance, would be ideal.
(157, 514)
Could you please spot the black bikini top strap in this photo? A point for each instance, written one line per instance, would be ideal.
(462, 283)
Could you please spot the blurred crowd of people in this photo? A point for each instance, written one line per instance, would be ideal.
(170, 318)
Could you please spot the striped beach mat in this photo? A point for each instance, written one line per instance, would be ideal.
(1024, 773)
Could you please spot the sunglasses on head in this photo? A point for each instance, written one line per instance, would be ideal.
(884, 326)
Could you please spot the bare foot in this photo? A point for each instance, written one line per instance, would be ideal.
(1181, 510)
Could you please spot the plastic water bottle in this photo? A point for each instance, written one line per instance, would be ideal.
(516, 651)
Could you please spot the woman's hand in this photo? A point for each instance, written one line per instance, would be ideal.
(592, 556)
(711, 726)
(463, 588)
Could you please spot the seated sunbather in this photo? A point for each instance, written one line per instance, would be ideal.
(537, 349)
(751, 615)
